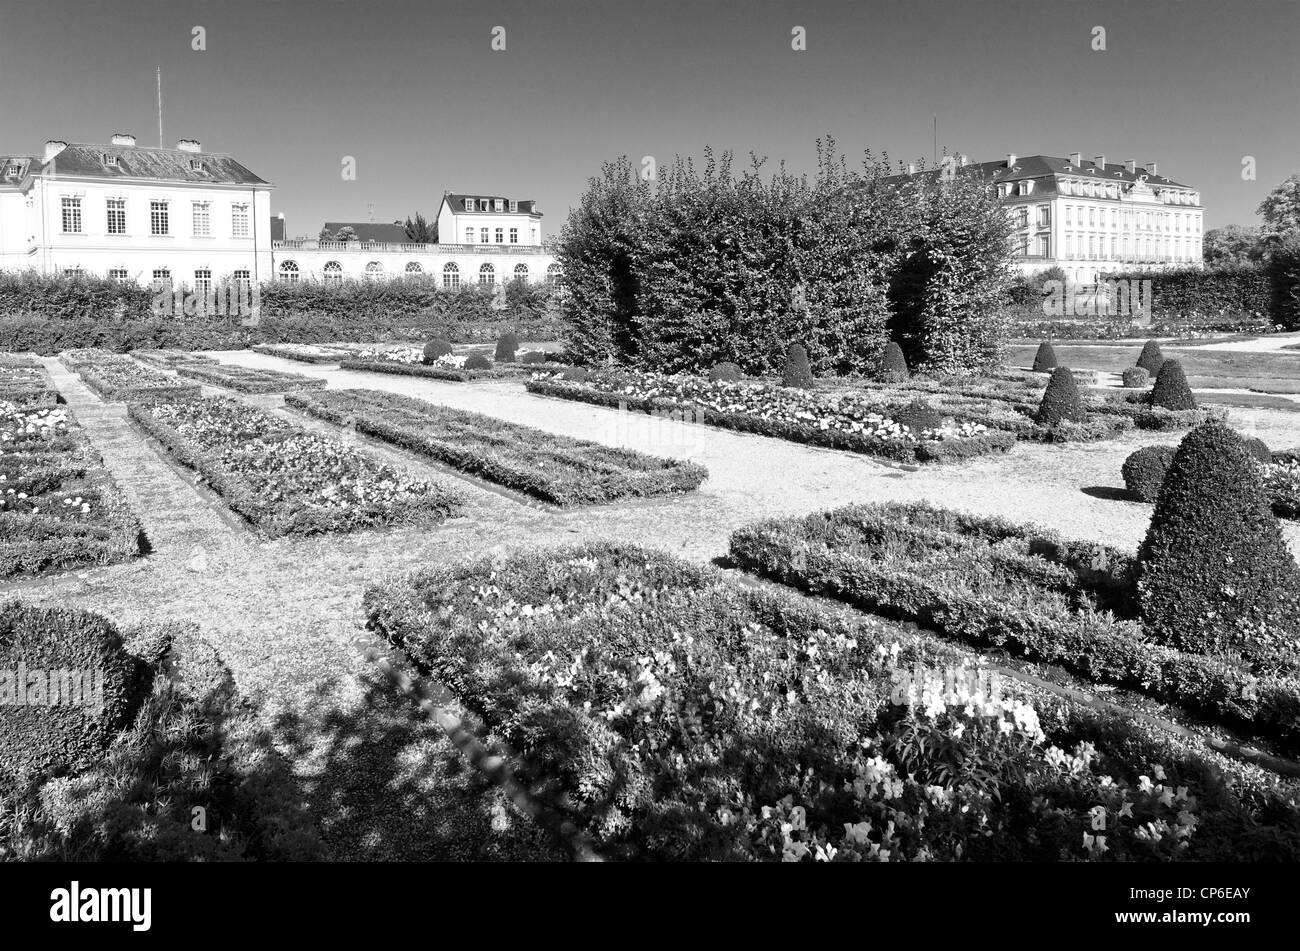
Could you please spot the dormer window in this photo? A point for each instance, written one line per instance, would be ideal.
(196, 165)
(514, 207)
(110, 159)
(469, 204)
(12, 171)
(500, 204)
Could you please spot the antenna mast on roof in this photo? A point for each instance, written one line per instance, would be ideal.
(160, 134)
(936, 140)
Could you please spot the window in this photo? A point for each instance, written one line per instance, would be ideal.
(1092, 217)
(162, 277)
(73, 272)
(196, 165)
(469, 235)
(501, 235)
(469, 204)
(450, 275)
(289, 272)
(483, 235)
(1114, 246)
(1069, 216)
(514, 207)
(203, 282)
(110, 159)
(72, 216)
(1023, 249)
(1022, 217)
(521, 272)
(1044, 246)
(514, 235)
(117, 216)
(158, 223)
(243, 280)
(333, 273)
(487, 274)
(499, 204)
(118, 274)
(413, 267)
(374, 270)
(553, 275)
(202, 219)
(239, 221)
(533, 237)
(1044, 216)
(1114, 217)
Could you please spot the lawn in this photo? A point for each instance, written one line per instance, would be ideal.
(1227, 369)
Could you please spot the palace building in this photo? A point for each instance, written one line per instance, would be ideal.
(1091, 218)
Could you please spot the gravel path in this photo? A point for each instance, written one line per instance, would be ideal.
(284, 614)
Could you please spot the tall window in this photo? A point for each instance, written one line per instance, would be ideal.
(450, 275)
(483, 236)
(202, 219)
(203, 282)
(239, 221)
(1044, 216)
(469, 204)
(289, 272)
(499, 204)
(333, 273)
(158, 221)
(374, 270)
(72, 216)
(243, 280)
(469, 235)
(514, 235)
(118, 274)
(501, 235)
(117, 216)
(1044, 246)
(1069, 215)
(1022, 217)
(521, 272)
(487, 274)
(162, 277)
(553, 275)
(1092, 217)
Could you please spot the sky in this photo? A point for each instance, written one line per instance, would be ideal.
(414, 93)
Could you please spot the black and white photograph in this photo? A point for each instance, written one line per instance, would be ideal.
(487, 434)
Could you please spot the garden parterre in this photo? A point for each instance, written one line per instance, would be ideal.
(118, 378)
(247, 380)
(856, 422)
(59, 507)
(687, 717)
(987, 581)
(284, 479)
(554, 468)
(449, 367)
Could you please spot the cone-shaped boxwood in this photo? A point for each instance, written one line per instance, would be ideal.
(1136, 378)
(1045, 358)
(796, 371)
(1214, 573)
(1151, 359)
(1061, 401)
(726, 372)
(436, 348)
(507, 346)
(1171, 390)
(893, 365)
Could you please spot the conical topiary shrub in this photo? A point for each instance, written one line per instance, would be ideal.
(1151, 358)
(434, 349)
(1061, 401)
(796, 371)
(893, 365)
(1045, 358)
(1171, 390)
(1214, 573)
(507, 346)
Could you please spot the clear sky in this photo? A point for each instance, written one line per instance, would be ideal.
(414, 92)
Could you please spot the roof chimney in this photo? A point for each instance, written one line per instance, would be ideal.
(1132, 166)
(123, 138)
(53, 148)
(1076, 158)
(1011, 160)
(188, 145)
(1100, 162)
(1151, 168)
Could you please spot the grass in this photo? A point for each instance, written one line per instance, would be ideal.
(1227, 367)
(556, 469)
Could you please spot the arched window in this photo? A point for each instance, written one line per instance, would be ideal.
(289, 272)
(553, 276)
(413, 267)
(374, 269)
(450, 275)
(487, 274)
(521, 272)
(333, 273)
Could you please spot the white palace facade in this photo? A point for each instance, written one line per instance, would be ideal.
(194, 219)
(1092, 218)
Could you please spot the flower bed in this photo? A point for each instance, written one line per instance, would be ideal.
(554, 468)
(1025, 590)
(835, 421)
(167, 359)
(118, 378)
(304, 353)
(679, 715)
(248, 380)
(450, 368)
(59, 507)
(24, 382)
(284, 479)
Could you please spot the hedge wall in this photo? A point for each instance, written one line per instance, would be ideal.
(46, 314)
